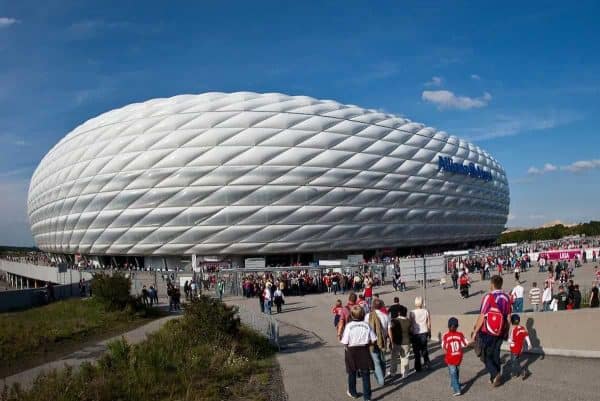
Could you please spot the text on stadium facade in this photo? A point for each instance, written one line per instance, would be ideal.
(472, 170)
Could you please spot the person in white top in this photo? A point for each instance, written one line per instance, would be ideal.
(517, 298)
(268, 299)
(421, 330)
(546, 297)
(357, 337)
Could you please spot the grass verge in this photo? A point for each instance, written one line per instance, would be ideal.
(31, 335)
(205, 355)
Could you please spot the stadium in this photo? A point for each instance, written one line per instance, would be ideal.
(235, 175)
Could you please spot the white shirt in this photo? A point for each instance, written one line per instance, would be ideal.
(383, 319)
(267, 294)
(517, 292)
(418, 318)
(547, 295)
(358, 333)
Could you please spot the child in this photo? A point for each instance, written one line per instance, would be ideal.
(518, 335)
(362, 302)
(453, 343)
(337, 312)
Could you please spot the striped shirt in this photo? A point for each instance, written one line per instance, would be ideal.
(534, 295)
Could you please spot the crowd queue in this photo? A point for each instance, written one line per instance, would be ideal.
(372, 332)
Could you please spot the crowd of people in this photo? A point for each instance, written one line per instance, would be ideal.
(370, 331)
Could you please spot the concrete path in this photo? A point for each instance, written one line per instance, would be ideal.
(312, 361)
(87, 354)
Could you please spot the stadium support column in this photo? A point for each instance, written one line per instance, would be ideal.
(194, 262)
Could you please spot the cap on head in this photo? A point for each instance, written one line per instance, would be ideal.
(515, 319)
(452, 323)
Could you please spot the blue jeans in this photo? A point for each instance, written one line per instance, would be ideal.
(366, 383)
(379, 362)
(454, 377)
(268, 307)
(491, 353)
(518, 305)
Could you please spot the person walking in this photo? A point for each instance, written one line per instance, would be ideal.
(380, 324)
(220, 289)
(454, 277)
(399, 334)
(594, 298)
(546, 297)
(453, 343)
(518, 335)
(492, 328)
(535, 294)
(420, 322)
(516, 295)
(278, 299)
(357, 337)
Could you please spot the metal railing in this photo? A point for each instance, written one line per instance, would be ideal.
(262, 323)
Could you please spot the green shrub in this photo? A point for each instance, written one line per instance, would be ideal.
(113, 291)
(211, 318)
(205, 355)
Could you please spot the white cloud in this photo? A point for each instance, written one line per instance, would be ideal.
(5, 22)
(548, 168)
(448, 100)
(435, 81)
(9, 139)
(510, 125)
(575, 167)
(91, 28)
(475, 77)
(581, 165)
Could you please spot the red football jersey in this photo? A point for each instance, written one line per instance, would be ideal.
(517, 337)
(453, 343)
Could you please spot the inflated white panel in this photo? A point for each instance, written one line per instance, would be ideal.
(244, 172)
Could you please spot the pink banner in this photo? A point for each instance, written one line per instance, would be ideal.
(567, 254)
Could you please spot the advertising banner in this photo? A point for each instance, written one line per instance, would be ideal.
(568, 254)
(255, 263)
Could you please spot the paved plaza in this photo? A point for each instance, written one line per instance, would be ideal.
(312, 360)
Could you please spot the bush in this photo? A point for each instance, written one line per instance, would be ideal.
(112, 291)
(206, 355)
(211, 318)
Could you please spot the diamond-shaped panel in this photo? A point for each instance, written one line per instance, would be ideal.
(258, 173)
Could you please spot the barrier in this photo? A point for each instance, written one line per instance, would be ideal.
(261, 323)
(28, 298)
(43, 273)
(566, 333)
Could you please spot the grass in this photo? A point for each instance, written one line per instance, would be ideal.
(32, 334)
(206, 355)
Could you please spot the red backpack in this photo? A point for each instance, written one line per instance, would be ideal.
(494, 319)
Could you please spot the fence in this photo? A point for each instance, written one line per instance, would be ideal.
(28, 298)
(261, 323)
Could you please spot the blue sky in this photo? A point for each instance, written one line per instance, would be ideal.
(521, 80)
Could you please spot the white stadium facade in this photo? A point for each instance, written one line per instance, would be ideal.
(249, 174)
